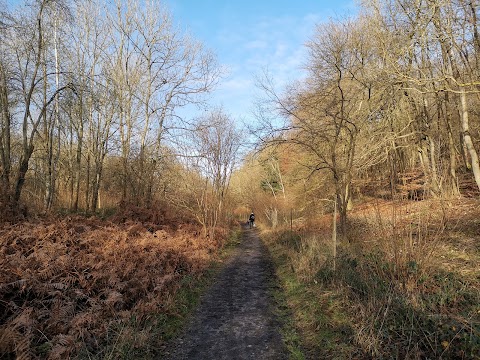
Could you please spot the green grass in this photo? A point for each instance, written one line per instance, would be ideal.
(290, 335)
(315, 326)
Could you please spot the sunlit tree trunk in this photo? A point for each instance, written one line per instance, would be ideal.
(447, 115)
(52, 126)
(467, 138)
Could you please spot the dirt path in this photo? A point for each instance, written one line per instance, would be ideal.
(235, 318)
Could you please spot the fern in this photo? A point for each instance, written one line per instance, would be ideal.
(22, 349)
(63, 347)
(64, 282)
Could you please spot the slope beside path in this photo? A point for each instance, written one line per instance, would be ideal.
(235, 318)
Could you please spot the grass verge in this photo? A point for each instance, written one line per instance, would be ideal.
(315, 326)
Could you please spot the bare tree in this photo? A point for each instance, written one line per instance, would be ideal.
(6, 98)
(89, 39)
(158, 69)
(214, 148)
(327, 113)
(432, 62)
(25, 30)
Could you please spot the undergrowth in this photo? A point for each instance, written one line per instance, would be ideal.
(402, 289)
(320, 329)
(82, 288)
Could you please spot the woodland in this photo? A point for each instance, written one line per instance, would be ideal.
(365, 180)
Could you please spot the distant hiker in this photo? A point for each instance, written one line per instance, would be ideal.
(251, 220)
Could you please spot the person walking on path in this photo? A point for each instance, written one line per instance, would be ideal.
(251, 220)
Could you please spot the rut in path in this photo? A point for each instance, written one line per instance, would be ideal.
(235, 318)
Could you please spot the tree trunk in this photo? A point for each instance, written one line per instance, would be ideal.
(274, 217)
(454, 187)
(71, 183)
(467, 138)
(343, 215)
(96, 187)
(47, 136)
(334, 234)
(466, 161)
(28, 94)
(78, 158)
(22, 171)
(342, 205)
(54, 157)
(5, 141)
(433, 168)
(87, 183)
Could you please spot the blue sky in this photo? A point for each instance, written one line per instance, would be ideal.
(251, 35)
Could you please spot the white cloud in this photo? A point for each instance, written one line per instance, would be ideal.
(256, 44)
(248, 48)
(236, 84)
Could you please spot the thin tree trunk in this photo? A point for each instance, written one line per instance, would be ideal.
(56, 124)
(22, 171)
(467, 138)
(5, 141)
(96, 187)
(48, 141)
(334, 234)
(28, 143)
(435, 183)
(78, 158)
(71, 184)
(454, 187)
(87, 184)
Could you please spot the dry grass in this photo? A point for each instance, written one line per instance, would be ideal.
(415, 291)
(74, 284)
(309, 257)
(407, 286)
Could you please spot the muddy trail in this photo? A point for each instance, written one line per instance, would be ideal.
(235, 318)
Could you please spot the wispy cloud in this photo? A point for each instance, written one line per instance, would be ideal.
(256, 44)
(276, 43)
(248, 43)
